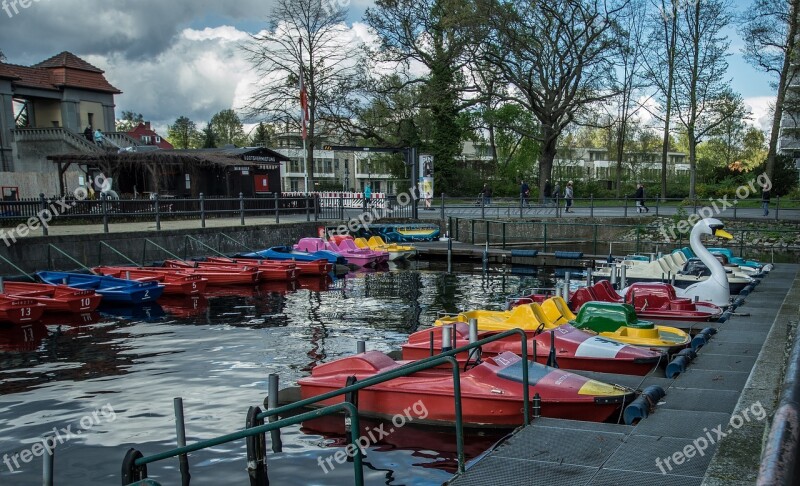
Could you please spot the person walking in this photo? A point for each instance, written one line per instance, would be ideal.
(487, 195)
(87, 134)
(556, 194)
(98, 137)
(367, 195)
(639, 196)
(524, 193)
(568, 194)
(765, 201)
(548, 191)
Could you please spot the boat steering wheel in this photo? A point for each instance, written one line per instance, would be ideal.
(473, 363)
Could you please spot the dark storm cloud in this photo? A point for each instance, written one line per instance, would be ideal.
(135, 29)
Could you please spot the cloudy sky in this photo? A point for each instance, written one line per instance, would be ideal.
(181, 57)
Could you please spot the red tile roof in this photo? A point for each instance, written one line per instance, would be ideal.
(63, 70)
(144, 130)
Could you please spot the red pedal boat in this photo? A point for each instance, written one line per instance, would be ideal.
(219, 275)
(574, 349)
(269, 271)
(55, 298)
(650, 300)
(175, 282)
(19, 310)
(315, 268)
(491, 391)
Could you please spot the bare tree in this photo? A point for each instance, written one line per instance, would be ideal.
(307, 33)
(631, 68)
(703, 98)
(558, 57)
(660, 71)
(769, 29)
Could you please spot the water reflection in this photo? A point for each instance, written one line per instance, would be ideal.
(216, 352)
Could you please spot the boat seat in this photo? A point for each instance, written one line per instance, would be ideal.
(606, 285)
(582, 296)
(513, 372)
(553, 313)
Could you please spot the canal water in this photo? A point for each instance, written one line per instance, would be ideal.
(106, 382)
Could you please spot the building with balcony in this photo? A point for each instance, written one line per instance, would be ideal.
(594, 164)
(44, 110)
(334, 170)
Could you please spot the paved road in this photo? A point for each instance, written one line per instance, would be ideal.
(490, 212)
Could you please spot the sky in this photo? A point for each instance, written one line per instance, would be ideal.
(183, 57)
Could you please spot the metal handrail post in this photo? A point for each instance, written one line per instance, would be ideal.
(202, 211)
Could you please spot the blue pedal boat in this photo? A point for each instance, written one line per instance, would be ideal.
(114, 290)
(288, 253)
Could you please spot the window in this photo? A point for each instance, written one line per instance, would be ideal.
(91, 120)
(188, 182)
(294, 184)
(336, 165)
(158, 139)
(145, 139)
(328, 166)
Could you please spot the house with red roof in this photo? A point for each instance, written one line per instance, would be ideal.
(45, 109)
(147, 136)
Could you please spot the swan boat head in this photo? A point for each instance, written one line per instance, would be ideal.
(715, 289)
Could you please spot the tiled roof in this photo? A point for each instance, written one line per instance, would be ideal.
(63, 70)
(68, 60)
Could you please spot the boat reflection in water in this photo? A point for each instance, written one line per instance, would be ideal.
(435, 447)
(146, 312)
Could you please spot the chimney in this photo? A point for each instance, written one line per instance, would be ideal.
(147, 125)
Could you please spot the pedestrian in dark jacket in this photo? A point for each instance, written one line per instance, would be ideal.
(765, 201)
(639, 196)
(524, 193)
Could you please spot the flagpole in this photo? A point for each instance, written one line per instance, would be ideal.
(305, 163)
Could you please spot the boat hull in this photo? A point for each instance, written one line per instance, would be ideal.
(56, 298)
(574, 349)
(112, 289)
(16, 310)
(491, 392)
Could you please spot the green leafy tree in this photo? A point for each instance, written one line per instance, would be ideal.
(437, 35)
(129, 121)
(208, 137)
(769, 29)
(262, 135)
(182, 133)
(228, 129)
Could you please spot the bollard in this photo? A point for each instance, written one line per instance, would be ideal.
(473, 330)
(361, 347)
(449, 255)
(447, 338)
(180, 431)
(104, 204)
(272, 403)
(537, 406)
(589, 272)
(613, 275)
(158, 213)
(672, 279)
(567, 277)
(241, 208)
(48, 459)
(623, 276)
(44, 208)
(202, 211)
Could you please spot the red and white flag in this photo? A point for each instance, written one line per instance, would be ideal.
(304, 115)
